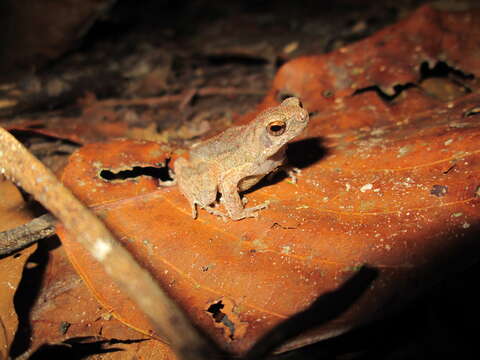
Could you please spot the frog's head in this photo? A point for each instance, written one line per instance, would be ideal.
(278, 125)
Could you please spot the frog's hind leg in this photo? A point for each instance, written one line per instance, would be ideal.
(198, 188)
(209, 209)
(204, 196)
(207, 197)
(213, 211)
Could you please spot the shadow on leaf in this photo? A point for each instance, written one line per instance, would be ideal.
(326, 308)
(27, 292)
(300, 154)
(77, 348)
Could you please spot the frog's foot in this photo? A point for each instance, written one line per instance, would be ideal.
(213, 211)
(250, 212)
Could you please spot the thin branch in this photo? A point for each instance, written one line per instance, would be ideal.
(166, 317)
(27, 234)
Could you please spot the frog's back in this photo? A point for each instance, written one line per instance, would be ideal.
(219, 146)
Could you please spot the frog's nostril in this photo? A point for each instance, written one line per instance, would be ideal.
(303, 116)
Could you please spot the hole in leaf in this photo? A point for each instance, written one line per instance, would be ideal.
(221, 317)
(161, 173)
(442, 70)
(215, 310)
(444, 82)
(398, 89)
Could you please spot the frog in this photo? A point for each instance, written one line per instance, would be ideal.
(237, 159)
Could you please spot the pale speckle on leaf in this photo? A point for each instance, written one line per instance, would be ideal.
(286, 249)
(366, 187)
(404, 150)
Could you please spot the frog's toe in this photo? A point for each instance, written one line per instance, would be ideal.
(261, 206)
(251, 211)
(213, 211)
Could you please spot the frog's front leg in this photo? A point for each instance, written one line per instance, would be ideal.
(291, 171)
(231, 198)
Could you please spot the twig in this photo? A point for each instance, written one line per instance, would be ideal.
(25, 235)
(166, 317)
(187, 99)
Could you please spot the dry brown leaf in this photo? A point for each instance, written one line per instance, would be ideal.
(12, 214)
(390, 178)
(65, 311)
(12, 207)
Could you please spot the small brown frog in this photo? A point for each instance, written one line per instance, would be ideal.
(238, 158)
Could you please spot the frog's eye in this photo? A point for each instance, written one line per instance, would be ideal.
(276, 128)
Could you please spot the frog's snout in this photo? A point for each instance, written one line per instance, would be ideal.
(296, 110)
(292, 101)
